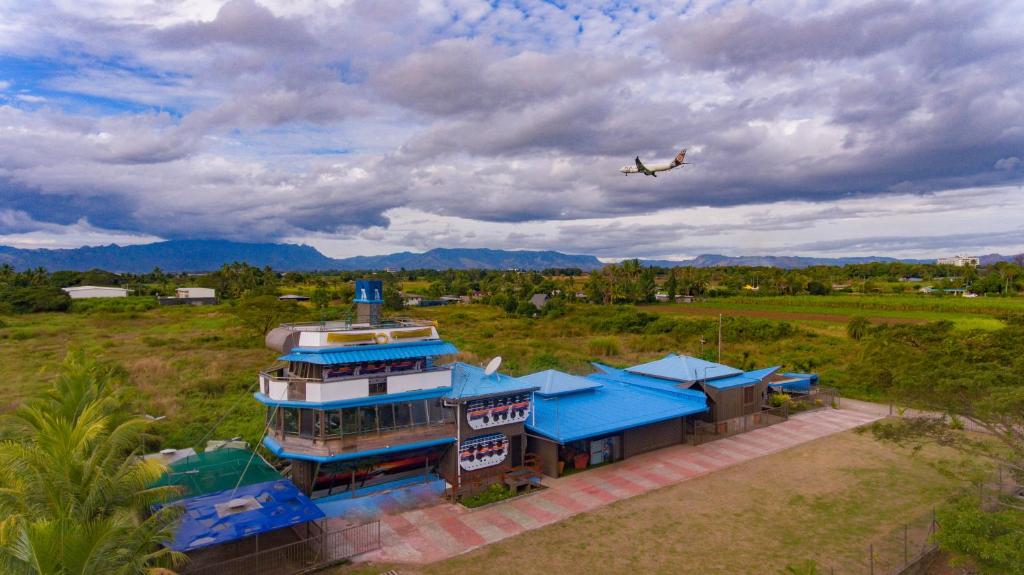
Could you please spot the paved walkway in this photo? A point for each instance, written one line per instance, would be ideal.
(445, 530)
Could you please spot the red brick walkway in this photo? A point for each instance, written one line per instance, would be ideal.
(445, 530)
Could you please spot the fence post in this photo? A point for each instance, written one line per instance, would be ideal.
(871, 557)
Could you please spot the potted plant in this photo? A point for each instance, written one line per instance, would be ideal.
(580, 460)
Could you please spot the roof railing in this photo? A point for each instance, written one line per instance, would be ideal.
(345, 325)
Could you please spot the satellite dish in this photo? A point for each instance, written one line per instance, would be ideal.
(492, 366)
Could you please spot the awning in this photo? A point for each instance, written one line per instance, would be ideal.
(364, 353)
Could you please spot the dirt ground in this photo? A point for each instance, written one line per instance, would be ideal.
(825, 501)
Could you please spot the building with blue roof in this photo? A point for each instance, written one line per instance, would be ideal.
(583, 421)
(355, 405)
(731, 393)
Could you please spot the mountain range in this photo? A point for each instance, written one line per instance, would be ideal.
(207, 255)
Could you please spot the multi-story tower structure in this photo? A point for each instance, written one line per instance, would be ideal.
(353, 404)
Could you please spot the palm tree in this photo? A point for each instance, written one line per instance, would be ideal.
(73, 491)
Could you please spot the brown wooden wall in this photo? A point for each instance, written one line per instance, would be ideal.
(548, 453)
(650, 437)
(728, 403)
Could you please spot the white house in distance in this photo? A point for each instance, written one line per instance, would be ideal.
(959, 261)
(195, 292)
(87, 292)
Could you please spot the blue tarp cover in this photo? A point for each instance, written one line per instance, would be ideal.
(684, 368)
(361, 353)
(280, 504)
(795, 382)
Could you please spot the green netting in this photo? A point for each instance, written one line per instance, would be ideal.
(213, 471)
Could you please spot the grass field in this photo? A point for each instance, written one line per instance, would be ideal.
(197, 365)
(827, 501)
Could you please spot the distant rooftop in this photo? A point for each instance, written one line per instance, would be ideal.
(684, 368)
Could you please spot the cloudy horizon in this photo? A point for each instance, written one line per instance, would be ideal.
(885, 128)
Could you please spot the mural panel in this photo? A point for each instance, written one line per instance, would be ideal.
(494, 411)
(483, 451)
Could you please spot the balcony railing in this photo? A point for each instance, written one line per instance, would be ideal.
(340, 325)
(272, 380)
(296, 443)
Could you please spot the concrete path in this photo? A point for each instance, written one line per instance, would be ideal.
(446, 530)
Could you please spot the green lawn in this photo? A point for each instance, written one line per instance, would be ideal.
(827, 501)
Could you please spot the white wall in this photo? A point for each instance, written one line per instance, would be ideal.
(415, 381)
(196, 292)
(338, 390)
(94, 292)
(278, 390)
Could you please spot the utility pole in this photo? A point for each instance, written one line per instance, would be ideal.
(719, 338)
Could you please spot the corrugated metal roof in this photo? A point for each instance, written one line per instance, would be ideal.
(684, 368)
(361, 353)
(646, 381)
(742, 380)
(610, 408)
(208, 520)
(469, 381)
(554, 382)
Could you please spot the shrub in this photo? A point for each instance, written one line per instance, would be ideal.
(627, 320)
(778, 399)
(113, 304)
(494, 493)
(35, 299)
(603, 346)
(544, 360)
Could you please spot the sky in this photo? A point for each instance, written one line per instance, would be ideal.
(363, 127)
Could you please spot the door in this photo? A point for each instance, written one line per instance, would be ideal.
(516, 447)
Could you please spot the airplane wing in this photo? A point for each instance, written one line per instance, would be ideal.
(640, 167)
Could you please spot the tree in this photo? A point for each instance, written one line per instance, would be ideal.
(73, 487)
(857, 327)
(974, 378)
(672, 285)
(262, 313)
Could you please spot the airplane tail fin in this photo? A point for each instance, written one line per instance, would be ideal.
(680, 158)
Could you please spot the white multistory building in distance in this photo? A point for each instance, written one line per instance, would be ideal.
(959, 261)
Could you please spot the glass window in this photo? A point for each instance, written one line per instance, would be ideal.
(436, 410)
(333, 423)
(368, 419)
(378, 387)
(386, 417)
(350, 421)
(306, 417)
(419, 413)
(290, 415)
(402, 416)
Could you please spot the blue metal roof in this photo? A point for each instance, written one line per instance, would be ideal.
(795, 382)
(554, 382)
(469, 381)
(742, 380)
(276, 504)
(646, 381)
(278, 450)
(359, 401)
(375, 352)
(610, 408)
(684, 368)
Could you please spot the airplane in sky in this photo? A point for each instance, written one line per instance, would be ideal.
(652, 170)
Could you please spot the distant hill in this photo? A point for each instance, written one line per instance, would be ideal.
(784, 262)
(170, 256)
(478, 258)
(207, 255)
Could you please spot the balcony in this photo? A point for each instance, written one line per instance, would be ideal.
(354, 443)
(279, 385)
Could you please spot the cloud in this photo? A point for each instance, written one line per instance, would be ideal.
(209, 120)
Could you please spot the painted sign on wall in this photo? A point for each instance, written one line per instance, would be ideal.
(483, 451)
(493, 411)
